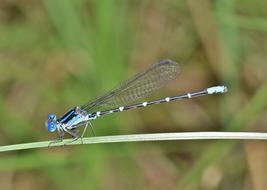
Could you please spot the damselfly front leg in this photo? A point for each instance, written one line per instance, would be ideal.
(59, 138)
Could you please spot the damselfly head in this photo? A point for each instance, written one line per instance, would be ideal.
(51, 123)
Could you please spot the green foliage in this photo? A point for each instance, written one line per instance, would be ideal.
(57, 54)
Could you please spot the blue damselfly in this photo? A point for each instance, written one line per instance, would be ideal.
(120, 99)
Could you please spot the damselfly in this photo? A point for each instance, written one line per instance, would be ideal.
(120, 99)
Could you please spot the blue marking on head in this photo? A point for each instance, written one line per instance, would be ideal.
(51, 123)
(52, 117)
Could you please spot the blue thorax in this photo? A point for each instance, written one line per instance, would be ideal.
(71, 118)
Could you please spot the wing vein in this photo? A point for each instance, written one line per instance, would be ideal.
(139, 86)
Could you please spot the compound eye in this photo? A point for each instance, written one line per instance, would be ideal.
(52, 117)
(51, 126)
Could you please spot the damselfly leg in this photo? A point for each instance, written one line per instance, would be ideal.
(58, 139)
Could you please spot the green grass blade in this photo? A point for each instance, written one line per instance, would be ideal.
(141, 138)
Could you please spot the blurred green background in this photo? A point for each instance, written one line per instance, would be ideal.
(55, 54)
